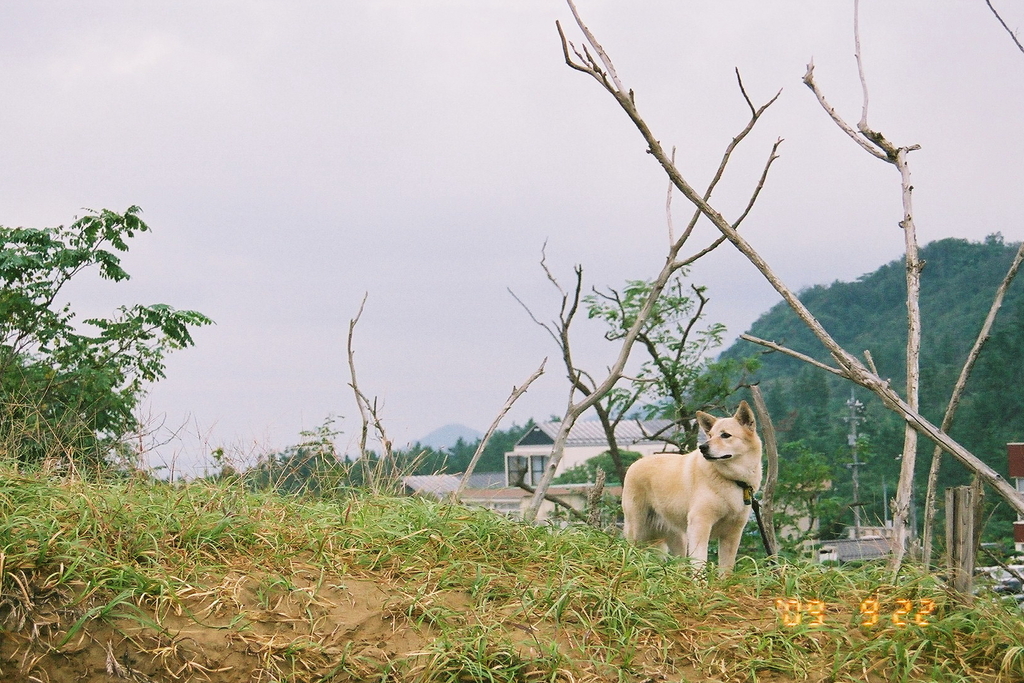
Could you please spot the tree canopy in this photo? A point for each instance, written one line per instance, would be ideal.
(70, 386)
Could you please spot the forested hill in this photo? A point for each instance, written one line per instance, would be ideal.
(957, 287)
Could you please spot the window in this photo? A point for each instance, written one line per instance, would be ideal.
(528, 469)
(538, 463)
(515, 466)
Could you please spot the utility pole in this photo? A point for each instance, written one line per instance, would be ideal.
(885, 504)
(854, 418)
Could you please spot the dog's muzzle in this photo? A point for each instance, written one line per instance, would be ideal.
(705, 450)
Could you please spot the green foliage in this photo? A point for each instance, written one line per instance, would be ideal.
(677, 377)
(586, 472)
(61, 386)
(957, 289)
(312, 466)
(802, 495)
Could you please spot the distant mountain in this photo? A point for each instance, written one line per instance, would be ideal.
(449, 435)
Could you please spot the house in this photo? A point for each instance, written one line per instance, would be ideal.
(531, 454)
(863, 543)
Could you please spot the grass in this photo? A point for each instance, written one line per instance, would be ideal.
(213, 581)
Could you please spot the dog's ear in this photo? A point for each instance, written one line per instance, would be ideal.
(745, 416)
(706, 422)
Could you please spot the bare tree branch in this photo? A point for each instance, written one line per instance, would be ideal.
(370, 415)
(355, 387)
(860, 66)
(587, 64)
(513, 397)
(795, 354)
(1013, 34)
(668, 207)
(831, 111)
(597, 47)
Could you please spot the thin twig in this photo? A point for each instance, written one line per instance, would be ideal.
(860, 65)
(1013, 34)
(355, 387)
(668, 206)
(597, 47)
(795, 354)
(513, 397)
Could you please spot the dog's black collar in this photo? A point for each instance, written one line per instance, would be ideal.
(748, 491)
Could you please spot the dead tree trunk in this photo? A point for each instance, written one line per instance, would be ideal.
(960, 539)
(771, 450)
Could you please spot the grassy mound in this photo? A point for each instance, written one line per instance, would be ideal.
(149, 581)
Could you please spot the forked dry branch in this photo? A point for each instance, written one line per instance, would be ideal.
(847, 365)
(880, 147)
(513, 397)
(370, 415)
(602, 70)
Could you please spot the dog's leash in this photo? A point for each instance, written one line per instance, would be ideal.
(748, 499)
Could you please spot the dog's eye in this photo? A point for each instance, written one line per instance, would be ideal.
(726, 435)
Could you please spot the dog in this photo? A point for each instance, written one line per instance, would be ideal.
(682, 501)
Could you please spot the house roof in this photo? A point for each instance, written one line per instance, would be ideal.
(432, 484)
(511, 493)
(591, 433)
(440, 485)
(849, 549)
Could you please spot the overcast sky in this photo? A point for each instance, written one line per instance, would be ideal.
(292, 156)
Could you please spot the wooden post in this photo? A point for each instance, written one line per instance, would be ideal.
(960, 539)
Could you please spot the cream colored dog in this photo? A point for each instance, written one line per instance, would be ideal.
(683, 501)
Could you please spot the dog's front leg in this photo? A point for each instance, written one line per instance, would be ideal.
(728, 546)
(698, 533)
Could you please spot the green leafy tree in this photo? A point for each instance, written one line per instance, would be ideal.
(677, 378)
(68, 387)
(803, 504)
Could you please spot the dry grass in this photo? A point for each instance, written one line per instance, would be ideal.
(148, 581)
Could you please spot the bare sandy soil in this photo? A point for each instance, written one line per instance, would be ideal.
(310, 627)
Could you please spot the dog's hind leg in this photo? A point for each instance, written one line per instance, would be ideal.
(643, 526)
(676, 542)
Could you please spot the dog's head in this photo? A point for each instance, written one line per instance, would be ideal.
(729, 437)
